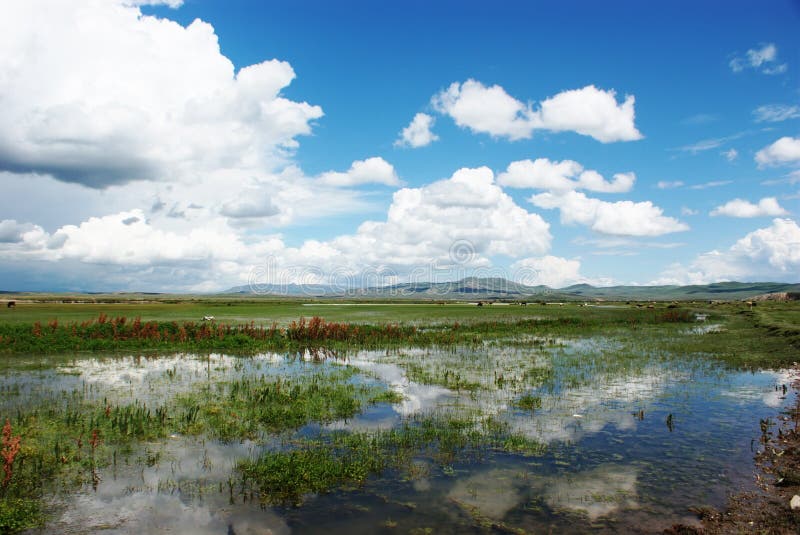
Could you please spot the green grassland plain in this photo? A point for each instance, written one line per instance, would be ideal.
(283, 311)
(767, 333)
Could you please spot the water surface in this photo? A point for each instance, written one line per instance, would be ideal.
(631, 438)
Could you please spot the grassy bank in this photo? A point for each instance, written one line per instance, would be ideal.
(266, 311)
(738, 334)
(120, 333)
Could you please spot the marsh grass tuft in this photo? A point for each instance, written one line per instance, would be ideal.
(346, 459)
(18, 514)
(249, 407)
(529, 402)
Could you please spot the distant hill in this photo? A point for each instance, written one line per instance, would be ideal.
(469, 288)
(472, 289)
(720, 290)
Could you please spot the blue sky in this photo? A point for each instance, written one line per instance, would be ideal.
(136, 156)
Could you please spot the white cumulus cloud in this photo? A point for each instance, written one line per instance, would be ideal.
(783, 151)
(768, 206)
(13, 232)
(423, 223)
(621, 218)
(484, 109)
(128, 238)
(565, 175)
(96, 93)
(418, 133)
(552, 271)
(372, 170)
(767, 254)
(588, 111)
(591, 112)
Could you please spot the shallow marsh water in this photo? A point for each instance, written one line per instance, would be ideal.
(630, 439)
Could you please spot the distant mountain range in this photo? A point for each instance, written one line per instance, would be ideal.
(472, 289)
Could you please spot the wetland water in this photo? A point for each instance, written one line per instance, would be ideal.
(597, 436)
